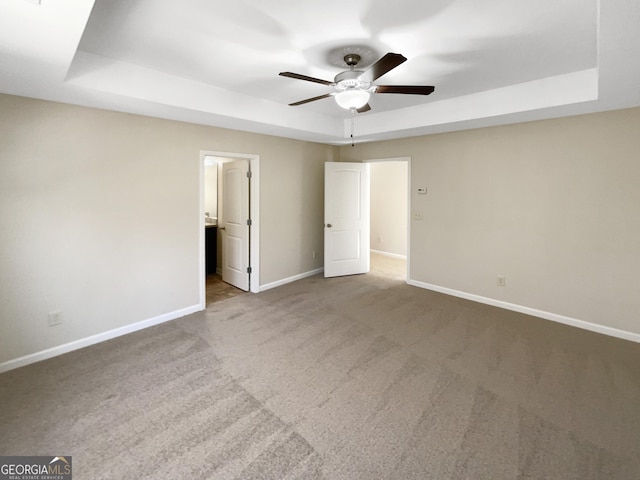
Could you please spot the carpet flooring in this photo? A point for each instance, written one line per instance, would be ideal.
(360, 377)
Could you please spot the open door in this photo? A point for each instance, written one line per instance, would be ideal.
(346, 218)
(235, 224)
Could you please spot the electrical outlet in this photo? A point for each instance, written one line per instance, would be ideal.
(55, 318)
(417, 216)
(502, 281)
(379, 238)
(314, 254)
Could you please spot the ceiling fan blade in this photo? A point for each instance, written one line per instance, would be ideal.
(382, 66)
(407, 89)
(320, 97)
(304, 77)
(364, 108)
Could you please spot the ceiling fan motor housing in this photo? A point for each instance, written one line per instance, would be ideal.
(350, 79)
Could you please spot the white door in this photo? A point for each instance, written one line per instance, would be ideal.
(346, 218)
(235, 223)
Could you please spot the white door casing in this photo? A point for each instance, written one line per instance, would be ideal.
(235, 224)
(346, 219)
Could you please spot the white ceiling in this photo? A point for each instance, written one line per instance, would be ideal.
(217, 63)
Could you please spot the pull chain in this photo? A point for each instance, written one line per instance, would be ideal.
(352, 128)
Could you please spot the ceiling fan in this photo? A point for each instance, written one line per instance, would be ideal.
(353, 88)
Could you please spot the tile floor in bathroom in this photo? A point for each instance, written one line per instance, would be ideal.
(217, 290)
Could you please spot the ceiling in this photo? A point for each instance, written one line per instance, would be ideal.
(217, 63)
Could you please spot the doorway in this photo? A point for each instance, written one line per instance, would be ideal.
(212, 218)
(389, 210)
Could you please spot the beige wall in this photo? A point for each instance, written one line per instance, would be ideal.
(99, 215)
(389, 207)
(552, 205)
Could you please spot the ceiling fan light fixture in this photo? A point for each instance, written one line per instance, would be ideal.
(352, 98)
(353, 88)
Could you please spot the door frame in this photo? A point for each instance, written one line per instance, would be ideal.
(408, 212)
(254, 212)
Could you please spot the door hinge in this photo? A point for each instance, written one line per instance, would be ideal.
(248, 269)
(249, 174)
(249, 222)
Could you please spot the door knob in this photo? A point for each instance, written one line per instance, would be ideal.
(223, 228)
(328, 225)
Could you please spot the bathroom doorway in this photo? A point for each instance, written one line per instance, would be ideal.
(213, 242)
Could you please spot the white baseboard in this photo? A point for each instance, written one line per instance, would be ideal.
(100, 337)
(554, 317)
(284, 281)
(387, 254)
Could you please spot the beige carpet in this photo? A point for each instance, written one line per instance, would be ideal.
(357, 377)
